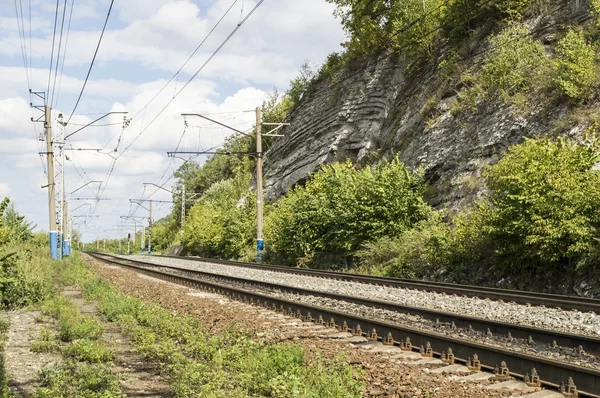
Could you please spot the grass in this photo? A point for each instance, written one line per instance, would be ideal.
(228, 364)
(87, 368)
(74, 379)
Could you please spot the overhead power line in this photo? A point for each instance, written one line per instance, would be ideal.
(188, 60)
(238, 26)
(233, 32)
(52, 52)
(62, 66)
(62, 27)
(93, 60)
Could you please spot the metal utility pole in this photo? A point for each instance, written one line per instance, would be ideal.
(260, 243)
(182, 207)
(150, 231)
(51, 184)
(138, 201)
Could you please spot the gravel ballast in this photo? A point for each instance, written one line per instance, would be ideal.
(584, 323)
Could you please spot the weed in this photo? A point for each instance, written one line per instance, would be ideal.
(79, 327)
(78, 380)
(88, 351)
(46, 343)
(227, 364)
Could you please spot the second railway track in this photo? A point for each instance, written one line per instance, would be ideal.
(583, 304)
(553, 372)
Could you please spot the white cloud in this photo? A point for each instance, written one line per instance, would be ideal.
(4, 189)
(148, 39)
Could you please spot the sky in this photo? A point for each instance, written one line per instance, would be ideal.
(145, 44)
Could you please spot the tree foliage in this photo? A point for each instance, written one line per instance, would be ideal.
(516, 63)
(380, 24)
(545, 197)
(341, 207)
(222, 223)
(575, 69)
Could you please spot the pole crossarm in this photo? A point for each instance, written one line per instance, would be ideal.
(86, 215)
(85, 185)
(172, 154)
(92, 122)
(79, 207)
(216, 122)
(158, 186)
(150, 200)
(96, 199)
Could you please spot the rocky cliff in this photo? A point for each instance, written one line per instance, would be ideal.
(379, 110)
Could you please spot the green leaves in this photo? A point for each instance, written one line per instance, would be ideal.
(545, 197)
(516, 63)
(576, 74)
(341, 207)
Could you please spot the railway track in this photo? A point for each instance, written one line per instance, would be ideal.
(552, 373)
(583, 304)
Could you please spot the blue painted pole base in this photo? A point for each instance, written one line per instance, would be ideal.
(54, 245)
(260, 246)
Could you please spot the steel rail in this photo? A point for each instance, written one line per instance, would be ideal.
(552, 373)
(589, 344)
(565, 302)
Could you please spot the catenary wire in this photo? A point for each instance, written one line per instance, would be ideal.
(239, 25)
(93, 60)
(62, 66)
(60, 40)
(52, 52)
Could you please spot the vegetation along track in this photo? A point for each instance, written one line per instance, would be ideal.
(552, 372)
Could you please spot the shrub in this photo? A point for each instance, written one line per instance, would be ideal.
(341, 208)
(517, 62)
(545, 197)
(46, 343)
(223, 220)
(575, 69)
(595, 9)
(433, 248)
(88, 351)
(79, 380)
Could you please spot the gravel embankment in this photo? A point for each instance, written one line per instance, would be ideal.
(563, 354)
(545, 318)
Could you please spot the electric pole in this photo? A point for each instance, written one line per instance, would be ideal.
(260, 243)
(182, 207)
(51, 184)
(150, 231)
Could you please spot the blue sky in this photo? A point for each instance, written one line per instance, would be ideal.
(145, 43)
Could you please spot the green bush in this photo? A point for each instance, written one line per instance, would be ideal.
(79, 380)
(88, 351)
(341, 207)
(46, 343)
(575, 67)
(545, 197)
(222, 223)
(434, 248)
(595, 9)
(516, 64)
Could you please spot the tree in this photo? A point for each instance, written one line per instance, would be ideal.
(341, 207)
(575, 68)
(545, 198)
(517, 62)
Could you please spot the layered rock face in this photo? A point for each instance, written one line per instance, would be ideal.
(378, 112)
